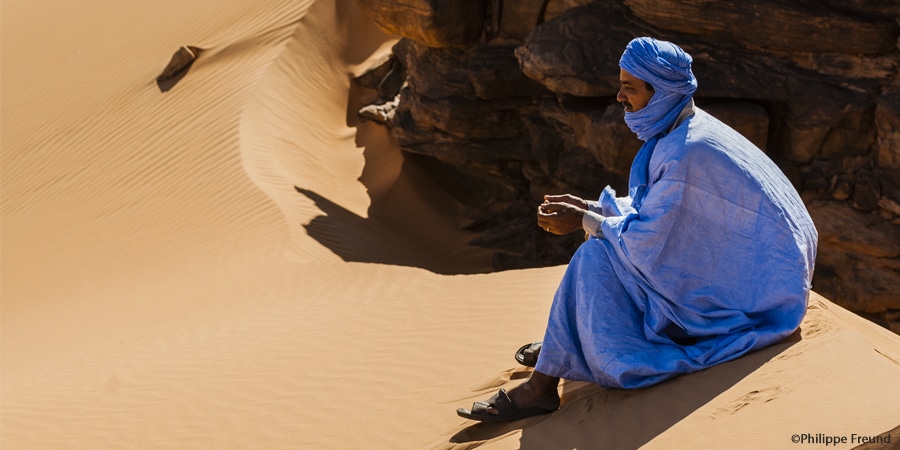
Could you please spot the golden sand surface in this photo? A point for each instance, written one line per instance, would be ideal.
(239, 263)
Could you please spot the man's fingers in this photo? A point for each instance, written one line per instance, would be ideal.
(548, 222)
(544, 223)
(546, 210)
(568, 199)
(552, 208)
(559, 199)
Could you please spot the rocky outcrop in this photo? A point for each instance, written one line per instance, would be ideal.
(779, 25)
(436, 23)
(518, 100)
(178, 67)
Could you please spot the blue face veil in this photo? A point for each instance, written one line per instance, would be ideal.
(668, 69)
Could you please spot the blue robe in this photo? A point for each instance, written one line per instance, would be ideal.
(717, 261)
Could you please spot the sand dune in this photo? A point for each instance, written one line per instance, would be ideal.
(239, 263)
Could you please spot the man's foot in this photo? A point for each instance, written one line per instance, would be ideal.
(536, 396)
(539, 391)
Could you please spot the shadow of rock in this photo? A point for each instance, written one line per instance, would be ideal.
(358, 239)
(593, 417)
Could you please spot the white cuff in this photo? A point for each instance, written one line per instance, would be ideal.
(591, 223)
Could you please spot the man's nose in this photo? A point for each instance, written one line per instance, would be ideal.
(620, 97)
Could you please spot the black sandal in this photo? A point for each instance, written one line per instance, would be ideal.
(507, 410)
(527, 355)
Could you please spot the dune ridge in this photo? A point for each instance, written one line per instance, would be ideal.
(239, 263)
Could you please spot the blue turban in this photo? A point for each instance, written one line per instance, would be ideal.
(668, 69)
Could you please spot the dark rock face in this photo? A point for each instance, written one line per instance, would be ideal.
(564, 54)
(509, 101)
(776, 25)
(436, 23)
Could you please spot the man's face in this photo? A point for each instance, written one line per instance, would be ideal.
(634, 93)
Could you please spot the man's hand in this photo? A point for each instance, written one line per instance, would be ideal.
(568, 199)
(561, 214)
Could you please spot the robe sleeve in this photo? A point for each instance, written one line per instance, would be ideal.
(592, 223)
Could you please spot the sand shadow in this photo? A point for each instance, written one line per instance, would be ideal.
(358, 239)
(593, 417)
(411, 220)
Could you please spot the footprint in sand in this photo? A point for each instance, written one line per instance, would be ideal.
(753, 397)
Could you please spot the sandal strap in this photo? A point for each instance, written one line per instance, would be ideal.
(528, 354)
(499, 401)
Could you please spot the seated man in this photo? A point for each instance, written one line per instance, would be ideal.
(709, 257)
